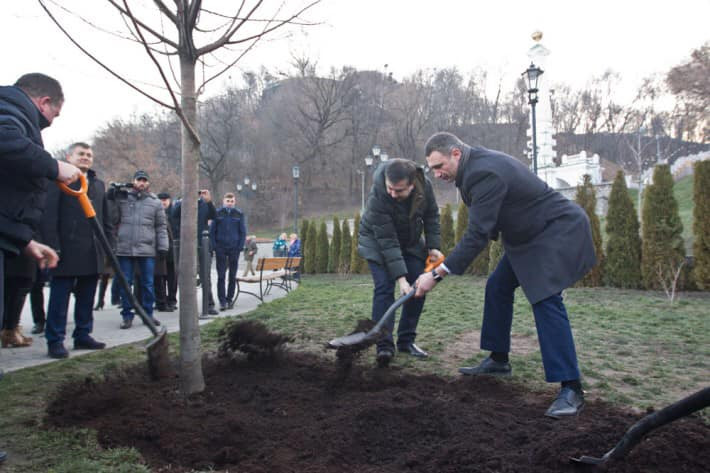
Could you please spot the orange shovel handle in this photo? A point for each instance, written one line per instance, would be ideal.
(431, 264)
(82, 194)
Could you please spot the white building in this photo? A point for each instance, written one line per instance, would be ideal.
(572, 168)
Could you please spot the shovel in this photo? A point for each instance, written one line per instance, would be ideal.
(158, 350)
(678, 409)
(374, 333)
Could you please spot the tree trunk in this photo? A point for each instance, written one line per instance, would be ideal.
(191, 377)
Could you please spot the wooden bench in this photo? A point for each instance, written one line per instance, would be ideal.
(271, 272)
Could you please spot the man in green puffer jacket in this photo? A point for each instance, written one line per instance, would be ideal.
(400, 208)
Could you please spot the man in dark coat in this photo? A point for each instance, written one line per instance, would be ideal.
(166, 285)
(25, 109)
(400, 207)
(548, 247)
(206, 211)
(66, 229)
(228, 232)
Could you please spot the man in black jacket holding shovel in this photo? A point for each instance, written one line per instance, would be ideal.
(548, 247)
(401, 206)
(66, 229)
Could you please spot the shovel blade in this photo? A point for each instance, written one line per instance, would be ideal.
(352, 339)
(588, 460)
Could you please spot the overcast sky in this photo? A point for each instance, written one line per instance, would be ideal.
(635, 38)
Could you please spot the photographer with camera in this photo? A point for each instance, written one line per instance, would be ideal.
(142, 233)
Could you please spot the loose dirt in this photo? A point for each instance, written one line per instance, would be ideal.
(276, 411)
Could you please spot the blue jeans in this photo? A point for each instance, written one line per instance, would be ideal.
(554, 333)
(226, 259)
(84, 288)
(383, 298)
(146, 266)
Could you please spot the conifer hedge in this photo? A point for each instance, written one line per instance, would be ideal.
(701, 225)
(334, 259)
(322, 249)
(447, 230)
(310, 250)
(345, 248)
(662, 249)
(358, 265)
(622, 267)
(587, 199)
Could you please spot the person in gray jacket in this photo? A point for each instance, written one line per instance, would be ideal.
(142, 231)
(400, 208)
(548, 247)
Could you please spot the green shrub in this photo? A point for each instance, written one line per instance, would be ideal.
(345, 248)
(622, 267)
(662, 249)
(322, 249)
(495, 253)
(334, 259)
(587, 199)
(304, 238)
(701, 225)
(447, 230)
(309, 265)
(358, 265)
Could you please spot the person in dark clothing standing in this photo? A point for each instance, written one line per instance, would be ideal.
(400, 207)
(66, 229)
(548, 247)
(19, 273)
(227, 235)
(166, 284)
(25, 109)
(39, 316)
(206, 211)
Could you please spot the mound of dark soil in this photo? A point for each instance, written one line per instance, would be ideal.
(286, 415)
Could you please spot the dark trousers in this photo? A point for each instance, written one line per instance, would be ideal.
(226, 259)
(16, 290)
(554, 333)
(172, 283)
(161, 294)
(2, 287)
(84, 288)
(383, 298)
(37, 297)
(146, 267)
(206, 278)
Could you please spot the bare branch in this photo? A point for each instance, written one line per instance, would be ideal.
(146, 27)
(229, 66)
(176, 107)
(96, 60)
(165, 11)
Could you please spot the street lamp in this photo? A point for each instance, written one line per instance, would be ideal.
(384, 157)
(533, 74)
(363, 174)
(375, 150)
(296, 174)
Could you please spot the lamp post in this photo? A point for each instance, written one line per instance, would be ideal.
(533, 74)
(296, 172)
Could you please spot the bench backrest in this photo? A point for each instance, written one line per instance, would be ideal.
(267, 264)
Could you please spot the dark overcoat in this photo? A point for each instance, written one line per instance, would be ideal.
(65, 228)
(25, 168)
(547, 237)
(389, 228)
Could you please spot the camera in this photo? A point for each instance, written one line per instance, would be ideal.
(122, 185)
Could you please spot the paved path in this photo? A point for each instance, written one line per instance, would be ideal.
(107, 321)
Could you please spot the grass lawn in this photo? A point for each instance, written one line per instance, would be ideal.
(634, 349)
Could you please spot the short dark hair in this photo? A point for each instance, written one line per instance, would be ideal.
(39, 85)
(443, 142)
(78, 144)
(229, 195)
(399, 169)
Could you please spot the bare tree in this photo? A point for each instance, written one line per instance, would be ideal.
(197, 35)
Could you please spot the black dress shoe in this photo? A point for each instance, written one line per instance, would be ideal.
(127, 323)
(413, 350)
(39, 328)
(212, 311)
(568, 403)
(488, 367)
(223, 307)
(57, 350)
(88, 343)
(384, 356)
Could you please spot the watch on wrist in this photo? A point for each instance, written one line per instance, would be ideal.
(437, 277)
